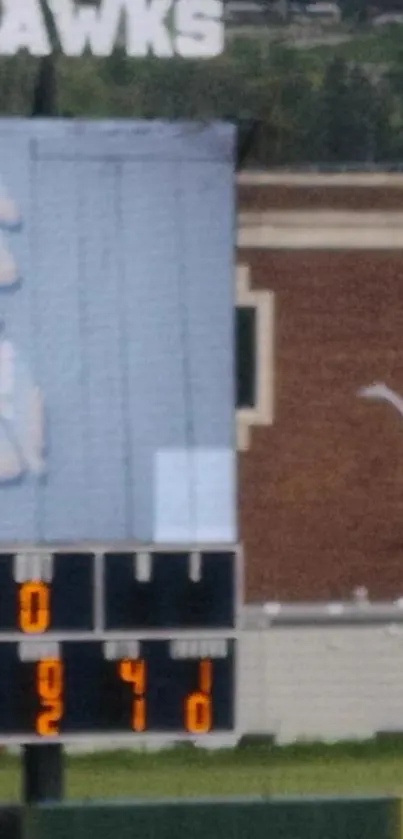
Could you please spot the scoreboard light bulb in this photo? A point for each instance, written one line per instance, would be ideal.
(195, 566)
(115, 650)
(37, 650)
(185, 648)
(33, 566)
(143, 566)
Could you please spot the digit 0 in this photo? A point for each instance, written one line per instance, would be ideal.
(198, 716)
(34, 607)
(49, 687)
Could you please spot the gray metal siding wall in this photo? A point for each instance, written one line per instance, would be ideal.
(124, 316)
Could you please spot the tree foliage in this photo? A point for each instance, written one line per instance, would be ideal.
(330, 112)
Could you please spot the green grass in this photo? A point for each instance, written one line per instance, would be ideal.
(299, 770)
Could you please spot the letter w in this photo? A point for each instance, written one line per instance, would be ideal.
(87, 26)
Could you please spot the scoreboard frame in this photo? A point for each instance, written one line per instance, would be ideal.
(34, 558)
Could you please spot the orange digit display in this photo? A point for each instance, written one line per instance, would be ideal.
(133, 671)
(34, 607)
(49, 687)
(198, 716)
(139, 713)
(205, 675)
(198, 712)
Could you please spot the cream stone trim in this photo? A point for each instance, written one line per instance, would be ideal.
(392, 180)
(321, 230)
(263, 302)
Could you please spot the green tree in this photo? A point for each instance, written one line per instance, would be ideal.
(355, 10)
(332, 115)
(362, 116)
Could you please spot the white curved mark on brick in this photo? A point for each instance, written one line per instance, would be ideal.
(380, 391)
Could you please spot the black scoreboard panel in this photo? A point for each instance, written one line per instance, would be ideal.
(117, 643)
(46, 593)
(53, 689)
(122, 591)
(173, 594)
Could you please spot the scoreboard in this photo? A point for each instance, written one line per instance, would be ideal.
(117, 643)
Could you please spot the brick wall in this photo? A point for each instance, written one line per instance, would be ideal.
(321, 489)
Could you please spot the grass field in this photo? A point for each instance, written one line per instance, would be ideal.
(253, 771)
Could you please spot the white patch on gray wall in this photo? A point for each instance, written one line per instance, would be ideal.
(195, 497)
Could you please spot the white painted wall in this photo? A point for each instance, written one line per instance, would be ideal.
(323, 682)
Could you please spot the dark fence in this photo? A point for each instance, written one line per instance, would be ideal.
(11, 822)
(372, 818)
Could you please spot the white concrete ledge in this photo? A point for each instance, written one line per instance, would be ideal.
(391, 180)
(321, 230)
(306, 219)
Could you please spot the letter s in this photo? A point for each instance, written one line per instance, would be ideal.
(200, 28)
